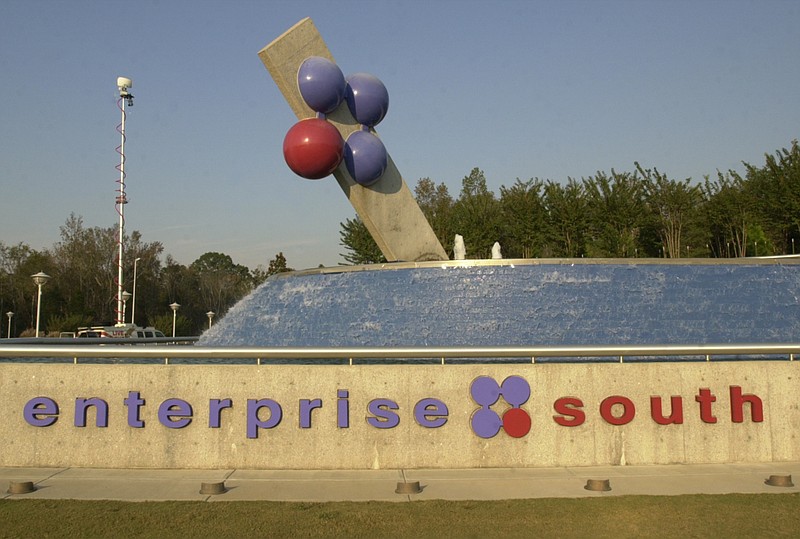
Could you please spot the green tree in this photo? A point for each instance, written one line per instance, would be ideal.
(437, 206)
(361, 247)
(180, 285)
(86, 270)
(673, 206)
(477, 215)
(523, 219)
(148, 270)
(616, 213)
(17, 264)
(775, 191)
(221, 282)
(729, 214)
(276, 265)
(567, 219)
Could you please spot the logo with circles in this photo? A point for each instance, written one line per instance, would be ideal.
(515, 421)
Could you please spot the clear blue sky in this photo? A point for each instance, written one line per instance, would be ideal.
(520, 89)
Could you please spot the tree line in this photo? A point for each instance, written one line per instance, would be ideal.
(638, 213)
(82, 290)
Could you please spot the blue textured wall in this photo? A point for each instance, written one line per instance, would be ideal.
(519, 304)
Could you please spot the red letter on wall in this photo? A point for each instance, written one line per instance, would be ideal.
(705, 398)
(675, 416)
(737, 406)
(571, 408)
(628, 410)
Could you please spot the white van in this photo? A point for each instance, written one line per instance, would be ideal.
(126, 331)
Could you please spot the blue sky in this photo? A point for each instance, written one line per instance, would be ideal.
(520, 89)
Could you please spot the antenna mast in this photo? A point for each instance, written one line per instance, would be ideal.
(125, 97)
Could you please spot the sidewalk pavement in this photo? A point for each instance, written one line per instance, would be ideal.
(380, 485)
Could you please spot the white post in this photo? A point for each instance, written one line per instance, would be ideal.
(39, 279)
(38, 309)
(125, 297)
(174, 307)
(210, 315)
(9, 314)
(133, 299)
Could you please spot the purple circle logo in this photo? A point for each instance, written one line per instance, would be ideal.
(485, 391)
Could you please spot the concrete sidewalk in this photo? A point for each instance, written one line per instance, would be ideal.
(366, 485)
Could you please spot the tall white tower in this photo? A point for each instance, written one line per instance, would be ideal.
(125, 98)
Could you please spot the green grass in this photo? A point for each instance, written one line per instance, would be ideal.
(732, 515)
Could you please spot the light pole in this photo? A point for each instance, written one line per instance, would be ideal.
(125, 297)
(210, 315)
(133, 300)
(174, 307)
(39, 279)
(9, 314)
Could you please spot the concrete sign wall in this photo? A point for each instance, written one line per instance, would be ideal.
(398, 416)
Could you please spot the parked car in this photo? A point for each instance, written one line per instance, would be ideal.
(126, 331)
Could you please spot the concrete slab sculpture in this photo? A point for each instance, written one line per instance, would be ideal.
(336, 135)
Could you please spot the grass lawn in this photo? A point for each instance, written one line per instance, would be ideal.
(731, 515)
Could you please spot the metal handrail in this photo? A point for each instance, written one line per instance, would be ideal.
(513, 262)
(406, 353)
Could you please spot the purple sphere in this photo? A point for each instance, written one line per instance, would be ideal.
(365, 157)
(321, 84)
(367, 98)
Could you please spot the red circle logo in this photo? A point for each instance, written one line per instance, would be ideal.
(516, 422)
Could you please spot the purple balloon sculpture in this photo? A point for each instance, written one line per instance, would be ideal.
(321, 84)
(365, 157)
(367, 98)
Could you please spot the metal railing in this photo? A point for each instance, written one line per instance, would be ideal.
(202, 355)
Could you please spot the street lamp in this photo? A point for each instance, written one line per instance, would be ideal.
(39, 279)
(133, 301)
(174, 307)
(9, 314)
(210, 315)
(125, 297)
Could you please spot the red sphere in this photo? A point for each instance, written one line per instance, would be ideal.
(313, 148)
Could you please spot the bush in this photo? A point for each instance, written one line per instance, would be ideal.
(163, 323)
(71, 322)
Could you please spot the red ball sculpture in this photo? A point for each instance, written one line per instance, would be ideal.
(313, 148)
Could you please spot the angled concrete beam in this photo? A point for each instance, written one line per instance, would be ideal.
(387, 208)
